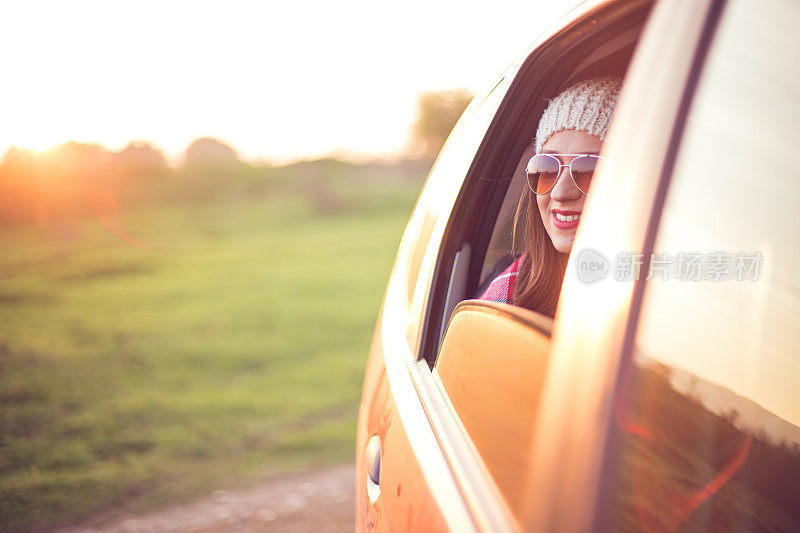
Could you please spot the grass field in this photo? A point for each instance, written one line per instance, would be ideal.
(229, 346)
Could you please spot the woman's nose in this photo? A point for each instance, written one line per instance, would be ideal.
(565, 188)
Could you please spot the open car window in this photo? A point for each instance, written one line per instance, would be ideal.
(493, 243)
(490, 359)
(502, 251)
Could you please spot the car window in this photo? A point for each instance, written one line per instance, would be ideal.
(493, 358)
(501, 251)
(709, 412)
(422, 237)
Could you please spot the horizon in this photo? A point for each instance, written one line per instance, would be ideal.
(179, 160)
(303, 82)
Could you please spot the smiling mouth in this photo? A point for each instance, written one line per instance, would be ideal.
(566, 219)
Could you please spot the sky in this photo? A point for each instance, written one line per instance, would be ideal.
(279, 81)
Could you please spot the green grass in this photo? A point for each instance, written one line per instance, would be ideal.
(227, 347)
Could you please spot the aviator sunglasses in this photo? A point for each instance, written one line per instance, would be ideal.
(543, 171)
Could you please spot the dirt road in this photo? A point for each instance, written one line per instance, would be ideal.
(322, 500)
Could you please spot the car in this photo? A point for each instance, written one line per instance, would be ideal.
(664, 393)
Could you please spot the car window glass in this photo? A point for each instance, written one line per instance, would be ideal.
(711, 439)
(420, 243)
(501, 251)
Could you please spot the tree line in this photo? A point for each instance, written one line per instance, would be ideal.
(70, 179)
(59, 183)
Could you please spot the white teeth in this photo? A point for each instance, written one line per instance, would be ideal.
(567, 218)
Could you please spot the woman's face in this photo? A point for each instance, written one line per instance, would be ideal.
(565, 200)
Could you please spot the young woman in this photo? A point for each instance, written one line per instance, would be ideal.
(568, 141)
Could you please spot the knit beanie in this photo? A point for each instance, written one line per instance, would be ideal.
(586, 106)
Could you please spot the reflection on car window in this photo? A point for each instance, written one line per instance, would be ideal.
(712, 438)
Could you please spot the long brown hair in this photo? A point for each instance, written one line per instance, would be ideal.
(542, 269)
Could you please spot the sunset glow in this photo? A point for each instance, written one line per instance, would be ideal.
(278, 81)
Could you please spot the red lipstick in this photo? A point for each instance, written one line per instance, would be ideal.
(567, 220)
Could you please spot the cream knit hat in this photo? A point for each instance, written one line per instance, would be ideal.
(586, 106)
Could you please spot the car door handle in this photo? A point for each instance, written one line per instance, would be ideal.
(373, 463)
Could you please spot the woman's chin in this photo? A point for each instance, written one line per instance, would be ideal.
(563, 243)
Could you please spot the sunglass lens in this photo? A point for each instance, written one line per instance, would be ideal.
(542, 173)
(583, 170)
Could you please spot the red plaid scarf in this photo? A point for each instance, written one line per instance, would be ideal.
(501, 289)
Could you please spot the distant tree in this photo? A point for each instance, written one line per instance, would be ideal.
(74, 162)
(18, 185)
(15, 155)
(69, 174)
(139, 158)
(51, 186)
(69, 169)
(437, 113)
(17, 164)
(208, 152)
